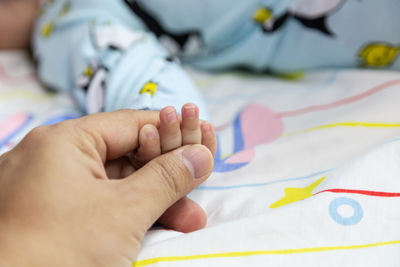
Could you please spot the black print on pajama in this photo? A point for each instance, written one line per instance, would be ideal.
(92, 81)
(311, 15)
(188, 43)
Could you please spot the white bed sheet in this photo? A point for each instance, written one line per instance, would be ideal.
(307, 171)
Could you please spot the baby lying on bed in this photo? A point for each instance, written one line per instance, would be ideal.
(125, 54)
(174, 131)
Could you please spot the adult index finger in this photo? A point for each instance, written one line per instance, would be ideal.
(116, 133)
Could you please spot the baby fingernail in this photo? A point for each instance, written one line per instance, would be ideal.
(171, 116)
(150, 134)
(190, 111)
(205, 127)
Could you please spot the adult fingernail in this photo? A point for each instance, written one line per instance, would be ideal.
(198, 160)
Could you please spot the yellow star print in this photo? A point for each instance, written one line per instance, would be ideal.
(262, 15)
(378, 54)
(149, 88)
(47, 29)
(294, 194)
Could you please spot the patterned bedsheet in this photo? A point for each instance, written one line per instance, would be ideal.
(307, 171)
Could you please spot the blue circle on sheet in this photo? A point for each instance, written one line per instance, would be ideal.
(352, 220)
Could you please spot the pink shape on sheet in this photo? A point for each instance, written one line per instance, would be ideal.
(7, 78)
(242, 156)
(11, 124)
(259, 125)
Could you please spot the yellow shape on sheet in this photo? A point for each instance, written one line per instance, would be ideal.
(149, 88)
(262, 15)
(294, 194)
(346, 124)
(241, 254)
(47, 29)
(293, 76)
(378, 54)
(225, 156)
(25, 94)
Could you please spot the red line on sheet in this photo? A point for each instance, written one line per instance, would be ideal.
(361, 192)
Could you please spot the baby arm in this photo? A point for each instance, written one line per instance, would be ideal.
(101, 53)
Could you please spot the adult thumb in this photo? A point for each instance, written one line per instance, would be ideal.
(166, 179)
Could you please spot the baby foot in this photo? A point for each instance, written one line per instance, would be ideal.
(174, 132)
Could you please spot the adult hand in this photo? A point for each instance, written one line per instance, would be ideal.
(58, 207)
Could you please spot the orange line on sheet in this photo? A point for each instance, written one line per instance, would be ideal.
(258, 253)
(342, 101)
(25, 94)
(347, 124)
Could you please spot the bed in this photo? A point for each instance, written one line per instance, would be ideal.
(307, 171)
